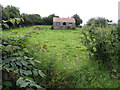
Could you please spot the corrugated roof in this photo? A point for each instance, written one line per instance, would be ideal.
(63, 20)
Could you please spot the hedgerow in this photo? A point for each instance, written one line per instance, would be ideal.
(103, 46)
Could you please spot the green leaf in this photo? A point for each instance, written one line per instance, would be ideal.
(27, 72)
(37, 61)
(19, 63)
(24, 84)
(25, 50)
(21, 82)
(7, 83)
(16, 71)
(6, 25)
(18, 58)
(41, 73)
(7, 67)
(13, 64)
(25, 58)
(12, 58)
(35, 72)
(34, 84)
(21, 71)
(17, 22)
(12, 21)
(9, 48)
(24, 63)
(31, 58)
(8, 60)
(28, 78)
(32, 62)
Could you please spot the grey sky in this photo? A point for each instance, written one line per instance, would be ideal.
(66, 8)
(119, 11)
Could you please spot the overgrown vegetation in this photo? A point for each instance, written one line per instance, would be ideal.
(87, 57)
(103, 46)
(77, 19)
(18, 66)
(62, 56)
(12, 23)
(99, 22)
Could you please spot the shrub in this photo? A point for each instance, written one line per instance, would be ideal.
(97, 22)
(102, 43)
(11, 23)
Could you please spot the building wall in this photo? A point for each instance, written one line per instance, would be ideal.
(62, 25)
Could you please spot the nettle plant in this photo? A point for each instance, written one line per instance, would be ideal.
(18, 68)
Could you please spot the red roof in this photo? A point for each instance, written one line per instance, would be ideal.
(63, 20)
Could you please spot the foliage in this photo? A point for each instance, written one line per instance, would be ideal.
(31, 19)
(36, 19)
(99, 21)
(64, 59)
(11, 17)
(17, 65)
(11, 23)
(77, 19)
(102, 43)
(118, 30)
(10, 12)
(48, 20)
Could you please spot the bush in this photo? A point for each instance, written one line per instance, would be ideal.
(97, 22)
(52, 27)
(102, 44)
(12, 23)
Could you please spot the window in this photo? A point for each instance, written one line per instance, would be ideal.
(57, 23)
(70, 24)
(64, 23)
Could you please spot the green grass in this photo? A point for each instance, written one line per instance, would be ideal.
(64, 60)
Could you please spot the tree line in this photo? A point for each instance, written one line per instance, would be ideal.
(12, 18)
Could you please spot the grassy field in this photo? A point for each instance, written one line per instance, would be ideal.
(64, 59)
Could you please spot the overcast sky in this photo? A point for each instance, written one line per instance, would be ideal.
(66, 8)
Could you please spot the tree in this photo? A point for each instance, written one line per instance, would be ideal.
(49, 20)
(37, 19)
(5, 14)
(31, 19)
(77, 19)
(10, 12)
(99, 21)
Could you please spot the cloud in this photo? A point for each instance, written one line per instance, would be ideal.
(66, 8)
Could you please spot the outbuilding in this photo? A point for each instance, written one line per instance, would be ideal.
(64, 23)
